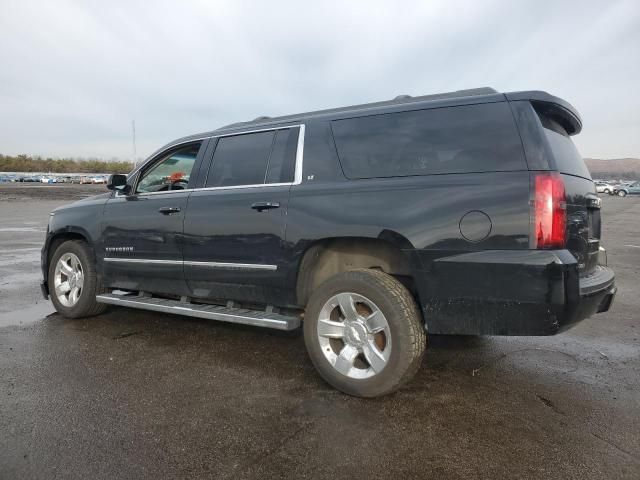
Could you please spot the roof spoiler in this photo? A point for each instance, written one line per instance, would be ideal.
(553, 107)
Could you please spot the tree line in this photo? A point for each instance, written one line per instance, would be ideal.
(27, 163)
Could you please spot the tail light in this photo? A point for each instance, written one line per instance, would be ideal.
(549, 211)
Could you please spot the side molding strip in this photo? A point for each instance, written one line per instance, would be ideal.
(231, 266)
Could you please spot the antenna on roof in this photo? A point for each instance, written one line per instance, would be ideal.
(260, 118)
(402, 97)
(135, 153)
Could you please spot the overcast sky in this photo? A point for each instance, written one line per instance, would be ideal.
(73, 75)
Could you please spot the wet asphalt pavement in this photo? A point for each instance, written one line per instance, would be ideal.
(132, 394)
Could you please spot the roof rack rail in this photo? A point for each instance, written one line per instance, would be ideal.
(397, 100)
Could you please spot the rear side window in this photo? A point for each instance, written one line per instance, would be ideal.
(568, 159)
(283, 157)
(240, 160)
(254, 159)
(470, 138)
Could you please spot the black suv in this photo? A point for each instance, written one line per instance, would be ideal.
(462, 213)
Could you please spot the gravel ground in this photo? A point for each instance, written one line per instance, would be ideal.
(132, 394)
(58, 192)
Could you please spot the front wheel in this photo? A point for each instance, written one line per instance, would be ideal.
(622, 193)
(364, 333)
(73, 283)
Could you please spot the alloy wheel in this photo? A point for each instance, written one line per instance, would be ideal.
(354, 335)
(68, 279)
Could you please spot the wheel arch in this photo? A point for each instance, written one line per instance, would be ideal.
(55, 239)
(323, 258)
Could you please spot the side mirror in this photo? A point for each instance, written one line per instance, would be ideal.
(118, 182)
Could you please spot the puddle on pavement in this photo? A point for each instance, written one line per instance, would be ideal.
(6, 260)
(22, 229)
(27, 315)
(14, 250)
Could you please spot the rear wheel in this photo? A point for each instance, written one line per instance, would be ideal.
(622, 193)
(73, 283)
(364, 333)
(607, 191)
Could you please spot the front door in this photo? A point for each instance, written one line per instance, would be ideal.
(142, 231)
(234, 228)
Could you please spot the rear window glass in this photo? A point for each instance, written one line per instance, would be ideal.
(470, 138)
(240, 160)
(254, 159)
(568, 159)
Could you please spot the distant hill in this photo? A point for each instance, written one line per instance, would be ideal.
(618, 168)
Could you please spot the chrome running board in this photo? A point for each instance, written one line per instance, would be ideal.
(229, 313)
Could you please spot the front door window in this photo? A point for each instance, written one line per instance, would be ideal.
(170, 173)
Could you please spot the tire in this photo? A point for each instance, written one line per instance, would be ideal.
(85, 305)
(622, 193)
(340, 345)
(607, 191)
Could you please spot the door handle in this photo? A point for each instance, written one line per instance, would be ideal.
(260, 206)
(168, 210)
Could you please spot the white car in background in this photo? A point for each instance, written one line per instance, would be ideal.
(604, 187)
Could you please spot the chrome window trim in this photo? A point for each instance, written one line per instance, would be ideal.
(297, 179)
(270, 129)
(119, 195)
(231, 187)
(238, 266)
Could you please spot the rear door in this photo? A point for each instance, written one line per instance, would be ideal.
(234, 228)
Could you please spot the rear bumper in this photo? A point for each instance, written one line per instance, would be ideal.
(498, 292)
(595, 295)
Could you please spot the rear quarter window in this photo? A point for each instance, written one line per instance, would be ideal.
(470, 138)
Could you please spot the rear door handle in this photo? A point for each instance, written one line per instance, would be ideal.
(260, 206)
(168, 210)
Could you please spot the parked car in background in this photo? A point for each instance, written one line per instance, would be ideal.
(604, 187)
(343, 219)
(99, 179)
(628, 189)
(85, 180)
